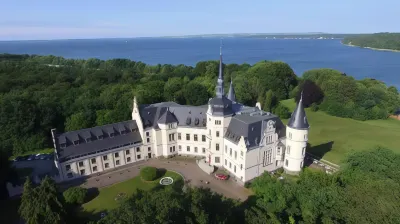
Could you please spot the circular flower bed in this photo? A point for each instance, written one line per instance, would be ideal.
(166, 181)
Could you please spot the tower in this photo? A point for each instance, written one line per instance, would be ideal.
(219, 89)
(296, 139)
(231, 94)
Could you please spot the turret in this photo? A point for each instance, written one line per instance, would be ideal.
(219, 89)
(231, 94)
(296, 139)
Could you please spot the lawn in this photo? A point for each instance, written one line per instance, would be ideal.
(333, 137)
(105, 201)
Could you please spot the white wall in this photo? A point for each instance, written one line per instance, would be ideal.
(182, 144)
(296, 143)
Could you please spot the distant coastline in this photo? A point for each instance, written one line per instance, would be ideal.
(370, 48)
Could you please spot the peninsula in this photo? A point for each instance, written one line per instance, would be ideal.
(376, 41)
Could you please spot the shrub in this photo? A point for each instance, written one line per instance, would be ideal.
(282, 111)
(75, 195)
(148, 173)
(314, 107)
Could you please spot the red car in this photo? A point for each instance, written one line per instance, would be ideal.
(221, 176)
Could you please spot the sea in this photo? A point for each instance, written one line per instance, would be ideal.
(300, 54)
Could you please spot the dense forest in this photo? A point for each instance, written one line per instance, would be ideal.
(38, 93)
(389, 41)
(365, 190)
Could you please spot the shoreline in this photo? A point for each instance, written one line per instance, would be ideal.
(370, 48)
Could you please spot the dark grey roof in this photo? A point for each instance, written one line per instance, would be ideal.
(221, 106)
(298, 120)
(251, 127)
(184, 115)
(231, 94)
(131, 135)
(167, 118)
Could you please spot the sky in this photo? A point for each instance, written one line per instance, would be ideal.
(75, 19)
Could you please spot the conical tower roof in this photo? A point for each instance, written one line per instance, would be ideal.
(231, 94)
(299, 118)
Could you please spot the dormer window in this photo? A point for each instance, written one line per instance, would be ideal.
(123, 132)
(100, 137)
(76, 142)
(196, 121)
(111, 135)
(188, 121)
(88, 139)
(63, 145)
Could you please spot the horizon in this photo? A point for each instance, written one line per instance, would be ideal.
(49, 20)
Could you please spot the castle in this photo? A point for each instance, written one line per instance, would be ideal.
(244, 140)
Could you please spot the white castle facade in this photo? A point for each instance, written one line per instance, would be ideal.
(245, 141)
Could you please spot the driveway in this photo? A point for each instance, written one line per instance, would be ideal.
(188, 168)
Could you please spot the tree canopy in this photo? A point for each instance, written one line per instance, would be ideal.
(389, 41)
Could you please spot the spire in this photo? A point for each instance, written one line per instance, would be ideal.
(231, 93)
(299, 118)
(219, 89)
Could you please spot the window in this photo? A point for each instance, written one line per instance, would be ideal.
(111, 135)
(180, 148)
(116, 155)
(127, 152)
(203, 138)
(217, 122)
(80, 164)
(290, 135)
(128, 159)
(278, 151)
(76, 142)
(117, 162)
(230, 165)
(69, 175)
(147, 134)
(217, 133)
(93, 161)
(234, 169)
(230, 151)
(241, 153)
(95, 169)
(226, 149)
(171, 137)
(204, 150)
(188, 148)
(241, 166)
(148, 140)
(170, 126)
(105, 157)
(173, 148)
(100, 137)
(209, 131)
(195, 138)
(138, 156)
(286, 163)
(188, 137)
(217, 147)
(67, 167)
(179, 136)
(267, 159)
(170, 149)
(106, 165)
(305, 137)
(288, 149)
(195, 149)
(149, 149)
(235, 154)
(216, 159)
(226, 162)
(304, 150)
(63, 145)
(137, 149)
(301, 165)
(82, 172)
(269, 139)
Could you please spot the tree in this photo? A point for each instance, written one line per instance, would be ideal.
(150, 92)
(75, 195)
(311, 93)
(77, 121)
(173, 90)
(41, 204)
(195, 94)
(270, 101)
(282, 111)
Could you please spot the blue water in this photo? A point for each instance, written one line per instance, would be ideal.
(301, 55)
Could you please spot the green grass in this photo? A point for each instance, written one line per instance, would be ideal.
(333, 137)
(105, 201)
(34, 152)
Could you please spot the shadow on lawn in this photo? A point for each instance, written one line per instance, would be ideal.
(320, 150)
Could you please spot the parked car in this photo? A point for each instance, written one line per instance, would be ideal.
(31, 157)
(23, 158)
(43, 156)
(18, 158)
